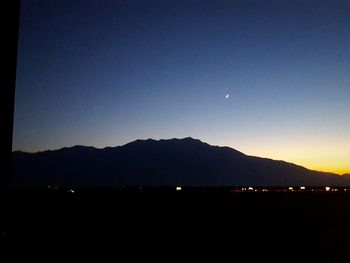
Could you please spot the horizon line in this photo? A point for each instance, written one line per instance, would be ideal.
(174, 138)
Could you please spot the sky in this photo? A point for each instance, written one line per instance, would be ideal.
(104, 73)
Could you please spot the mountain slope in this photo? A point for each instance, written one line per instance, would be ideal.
(165, 162)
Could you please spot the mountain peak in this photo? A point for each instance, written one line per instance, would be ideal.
(150, 140)
(191, 139)
(185, 139)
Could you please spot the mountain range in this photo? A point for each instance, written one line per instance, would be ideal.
(185, 162)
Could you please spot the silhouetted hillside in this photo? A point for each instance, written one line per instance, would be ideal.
(185, 161)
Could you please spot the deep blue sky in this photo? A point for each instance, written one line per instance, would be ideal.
(104, 73)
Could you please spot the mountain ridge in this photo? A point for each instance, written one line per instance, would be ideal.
(185, 161)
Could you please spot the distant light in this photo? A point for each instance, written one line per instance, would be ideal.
(344, 190)
(290, 188)
(49, 186)
(178, 188)
(335, 190)
(327, 188)
(71, 191)
(250, 189)
(302, 188)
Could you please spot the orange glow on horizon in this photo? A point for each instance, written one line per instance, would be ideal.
(319, 155)
(331, 165)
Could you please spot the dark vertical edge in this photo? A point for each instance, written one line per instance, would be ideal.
(10, 21)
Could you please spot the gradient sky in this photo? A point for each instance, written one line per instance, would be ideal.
(104, 73)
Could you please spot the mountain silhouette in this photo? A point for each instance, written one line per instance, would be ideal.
(186, 162)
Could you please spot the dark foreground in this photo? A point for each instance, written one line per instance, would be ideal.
(281, 226)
